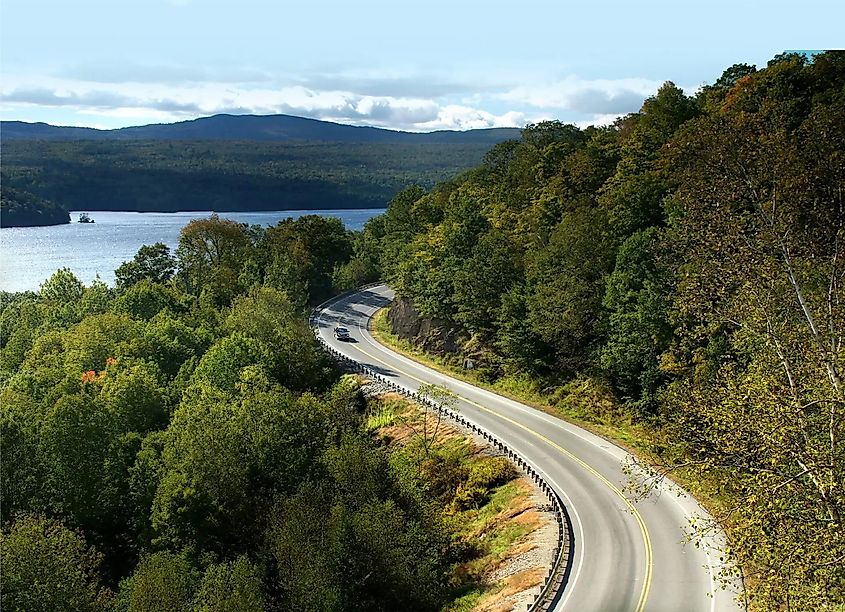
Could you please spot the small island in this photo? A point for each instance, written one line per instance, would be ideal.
(84, 218)
(19, 208)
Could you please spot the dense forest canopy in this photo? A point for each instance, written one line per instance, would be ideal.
(223, 175)
(181, 443)
(23, 209)
(687, 261)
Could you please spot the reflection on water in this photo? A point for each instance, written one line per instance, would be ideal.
(29, 255)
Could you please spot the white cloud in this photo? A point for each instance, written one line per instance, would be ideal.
(162, 102)
(140, 114)
(598, 121)
(113, 71)
(459, 117)
(181, 94)
(585, 95)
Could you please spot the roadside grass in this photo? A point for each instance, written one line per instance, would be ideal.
(583, 402)
(491, 524)
(470, 596)
(501, 541)
(388, 413)
(477, 521)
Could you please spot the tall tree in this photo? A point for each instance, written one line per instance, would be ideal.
(152, 262)
(761, 223)
(48, 567)
(637, 299)
(312, 246)
(210, 252)
(568, 285)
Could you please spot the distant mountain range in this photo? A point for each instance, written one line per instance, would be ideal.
(266, 128)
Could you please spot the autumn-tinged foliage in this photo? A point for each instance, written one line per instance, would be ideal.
(688, 258)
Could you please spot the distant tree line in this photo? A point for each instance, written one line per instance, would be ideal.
(682, 269)
(227, 176)
(20, 208)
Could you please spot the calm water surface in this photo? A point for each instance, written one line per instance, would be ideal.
(30, 255)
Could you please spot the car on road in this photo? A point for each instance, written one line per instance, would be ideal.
(341, 333)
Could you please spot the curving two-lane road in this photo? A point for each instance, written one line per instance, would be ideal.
(626, 556)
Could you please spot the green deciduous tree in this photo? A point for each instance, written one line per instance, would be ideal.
(62, 288)
(153, 263)
(312, 246)
(330, 555)
(226, 459)
(568, 287)
(209, 254)
(637, 300)
(270, 318)
(482, 278)
(230, 587)
(172, 342)
(47, 567)
(135, 395)
(144, 299)
(162, 581)
(521, 346)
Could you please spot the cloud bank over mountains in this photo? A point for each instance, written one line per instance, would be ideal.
(417, 66)
(114, 95)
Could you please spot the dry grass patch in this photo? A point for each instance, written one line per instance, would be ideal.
(510, 594)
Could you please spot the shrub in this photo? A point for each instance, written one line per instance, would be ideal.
(443, 475)
(491, 472)
(468, 496)
(588, 399)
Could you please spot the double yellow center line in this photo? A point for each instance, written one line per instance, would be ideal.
(646, 539)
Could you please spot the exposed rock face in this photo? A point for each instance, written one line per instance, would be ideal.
(432, 335)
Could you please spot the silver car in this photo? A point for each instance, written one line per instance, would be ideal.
(341, 333)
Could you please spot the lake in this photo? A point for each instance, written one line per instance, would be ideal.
(30, 255)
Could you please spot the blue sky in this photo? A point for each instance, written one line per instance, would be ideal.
(413, 66)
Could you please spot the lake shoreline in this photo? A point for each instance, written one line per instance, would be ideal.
(30, 255)
(4, 225)
(186, 210)
(227, 210)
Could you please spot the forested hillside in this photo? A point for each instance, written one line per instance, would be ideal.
(180, 443)
(220, 175)
(240, 128)
(681, 271)
(23, 209)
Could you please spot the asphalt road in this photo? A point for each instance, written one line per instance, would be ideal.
(627, 555)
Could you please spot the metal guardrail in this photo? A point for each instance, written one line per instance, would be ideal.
(559, 572)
